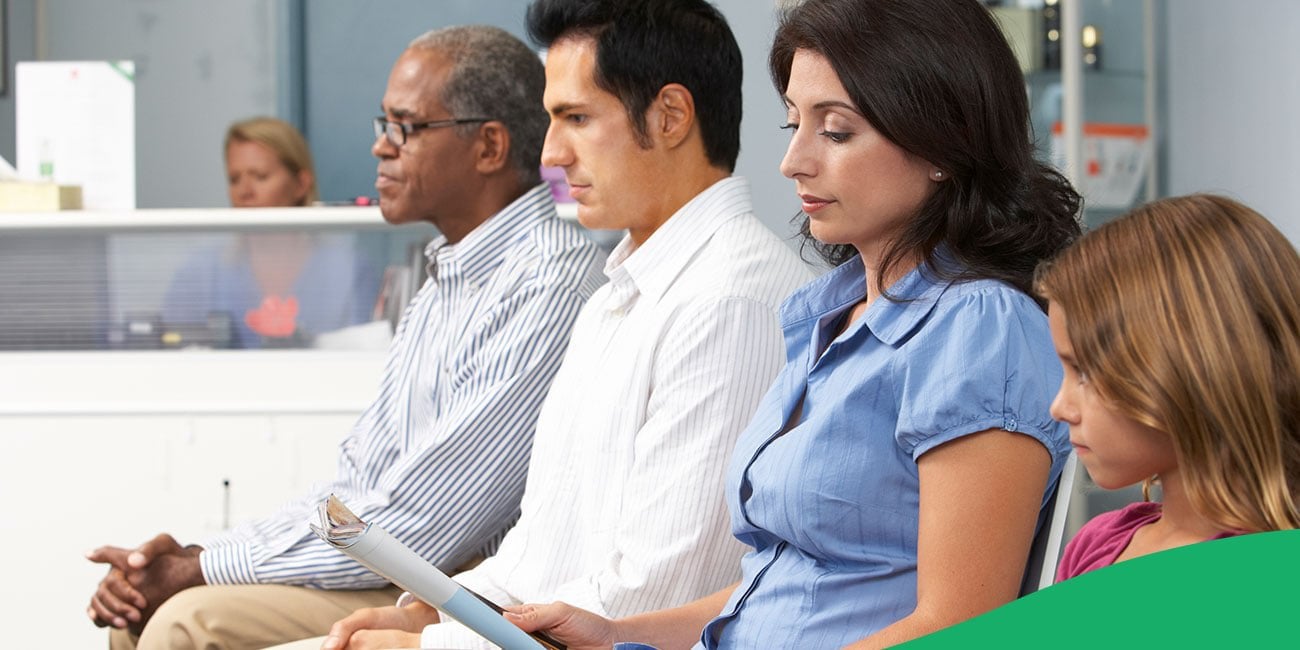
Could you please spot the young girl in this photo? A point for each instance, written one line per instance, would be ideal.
(1179, 329)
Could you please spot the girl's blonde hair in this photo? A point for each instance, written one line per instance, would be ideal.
(1185, 316)
(282, 138)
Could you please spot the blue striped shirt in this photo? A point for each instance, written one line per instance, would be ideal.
(439, 458)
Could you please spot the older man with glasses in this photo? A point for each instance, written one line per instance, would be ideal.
(440, 456)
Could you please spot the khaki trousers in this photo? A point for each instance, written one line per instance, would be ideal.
(314, 643)
(247, 617)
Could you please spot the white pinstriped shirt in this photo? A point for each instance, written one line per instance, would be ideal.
(623, 511)
(440, 456)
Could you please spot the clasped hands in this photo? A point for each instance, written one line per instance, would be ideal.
(140, 580)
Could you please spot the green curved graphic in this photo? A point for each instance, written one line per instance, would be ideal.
(1229, 593)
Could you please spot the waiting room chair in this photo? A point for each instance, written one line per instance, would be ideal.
(1045, 551)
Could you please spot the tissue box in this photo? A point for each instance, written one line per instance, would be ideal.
(26, 196)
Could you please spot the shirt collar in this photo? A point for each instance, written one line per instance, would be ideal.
(915, 296)
(889, 320)
(481, 251)
(653, 265)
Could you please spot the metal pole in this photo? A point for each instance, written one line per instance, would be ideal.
(1072, 89)
(1149, 62)
(40, 36)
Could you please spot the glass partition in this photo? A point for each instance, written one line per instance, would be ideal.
(243, 279)
(283, 288)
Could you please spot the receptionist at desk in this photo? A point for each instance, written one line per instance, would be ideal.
(276, 289)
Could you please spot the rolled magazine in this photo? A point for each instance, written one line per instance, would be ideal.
(380, 552)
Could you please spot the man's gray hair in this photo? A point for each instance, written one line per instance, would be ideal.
(495, 75)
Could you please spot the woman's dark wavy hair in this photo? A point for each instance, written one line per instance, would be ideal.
(938, 79)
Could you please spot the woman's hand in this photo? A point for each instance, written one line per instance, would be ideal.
(576, 628)
(381, 627)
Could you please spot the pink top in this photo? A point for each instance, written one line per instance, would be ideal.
(1101, 541)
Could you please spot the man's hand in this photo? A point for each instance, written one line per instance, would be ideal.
(115, 602)
(139, 581)
(378, 640)
(381, 627)
(161, 544)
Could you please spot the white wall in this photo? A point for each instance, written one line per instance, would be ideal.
(1233, 81)
(198, 67)
(762, 143)
(111, 448)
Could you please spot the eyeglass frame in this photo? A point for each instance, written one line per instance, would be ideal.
(407, 128)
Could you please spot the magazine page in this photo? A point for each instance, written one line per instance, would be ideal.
(380, 552)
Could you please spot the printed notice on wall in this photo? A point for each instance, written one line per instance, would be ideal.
(75, 124)
(1115, 162)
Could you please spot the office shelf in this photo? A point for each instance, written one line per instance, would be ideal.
(200, 219)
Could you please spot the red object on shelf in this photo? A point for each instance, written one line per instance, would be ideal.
(274, 318)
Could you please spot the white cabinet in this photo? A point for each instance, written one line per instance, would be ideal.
(114, 447)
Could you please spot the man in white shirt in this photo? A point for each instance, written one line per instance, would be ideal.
(623, 510)
(440, 456)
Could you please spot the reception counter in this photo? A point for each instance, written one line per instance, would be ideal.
(106, 442)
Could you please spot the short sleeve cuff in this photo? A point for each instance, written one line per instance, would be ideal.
(1010, 423)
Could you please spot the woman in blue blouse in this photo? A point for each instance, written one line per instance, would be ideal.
(892, 478)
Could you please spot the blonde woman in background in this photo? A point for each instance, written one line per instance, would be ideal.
(1178, 327)
(268, 165)
(278, 289)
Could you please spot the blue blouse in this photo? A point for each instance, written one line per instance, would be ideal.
(337, 287)
(831, 507)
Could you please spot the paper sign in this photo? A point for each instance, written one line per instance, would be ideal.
(1115, 162)
(75, 124)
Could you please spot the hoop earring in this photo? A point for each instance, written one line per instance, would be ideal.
(1146, 487)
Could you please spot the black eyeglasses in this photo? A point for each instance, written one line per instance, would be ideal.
(396, 132)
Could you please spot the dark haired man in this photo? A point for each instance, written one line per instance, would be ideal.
(623, 511)
(441, 454)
